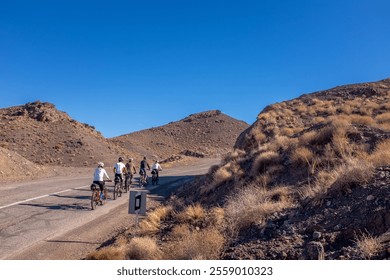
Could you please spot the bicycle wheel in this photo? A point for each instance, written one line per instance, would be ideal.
(120, 190)
(116, 187)
(105, 194)
(94, 200)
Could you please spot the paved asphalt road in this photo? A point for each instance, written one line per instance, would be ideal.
(52, 218)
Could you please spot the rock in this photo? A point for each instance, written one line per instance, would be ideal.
(317, 235)
(328, 203)
(370, 197)
(315, 251)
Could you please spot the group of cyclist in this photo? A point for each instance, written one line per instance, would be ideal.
(122, 170)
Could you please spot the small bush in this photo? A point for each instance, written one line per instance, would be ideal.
(253, 205)
(206, 244)
(381, 154)
(152, 223)
(352, 173)
(367, 245)
(263, 161)
(143, 248)
(192, 214)
(383, 118)
(108, 253)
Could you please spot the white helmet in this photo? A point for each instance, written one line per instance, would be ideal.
(100, 164)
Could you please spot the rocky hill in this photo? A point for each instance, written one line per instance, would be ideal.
(44, 135)
(210, 133)
(310, 179)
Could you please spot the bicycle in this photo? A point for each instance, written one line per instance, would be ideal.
(155, 178)
(143, 179)
(128, 180)
(98, 198)
(118, 188)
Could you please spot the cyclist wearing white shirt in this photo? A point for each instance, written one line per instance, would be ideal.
(156, 168)
(98, 176)
(120, 169)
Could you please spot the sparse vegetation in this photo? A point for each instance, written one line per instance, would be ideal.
(367, 245)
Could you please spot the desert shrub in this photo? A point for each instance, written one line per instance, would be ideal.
(304, 157)
(362, 120)
(216, 217)
(205, 244)
(253, 205)
(367, 245)
(263, 161)
(341, 143)
(346, 109)
(192, 214)
(143, 248)
(351, 173)
(180, 231)
(286, 131)
(152, 223)
(281, 143)
(383, 118)
(108, 253)
(222, 174)
(381, 154)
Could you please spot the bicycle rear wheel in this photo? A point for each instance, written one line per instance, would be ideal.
(116, 186)
(94, 200)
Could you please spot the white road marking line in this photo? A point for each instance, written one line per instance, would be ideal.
(39, 197)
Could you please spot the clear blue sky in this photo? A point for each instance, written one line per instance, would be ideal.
(124, 66)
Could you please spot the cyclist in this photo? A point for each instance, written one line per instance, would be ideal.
(156, 168)
(98, 176)
(142, 169)
(119, 170)
(130, 169)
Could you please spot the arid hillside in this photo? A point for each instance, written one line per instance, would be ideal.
(310, 179)
(210, 133)
(44, 135)
(13, 164)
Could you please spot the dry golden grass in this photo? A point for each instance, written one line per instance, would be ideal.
(192, 214)
(368, 245)
(216, 217)
(362, 120)
(180, 231)
(353, 172)
(253, 205)
(383, 118)
(205, 244)
(301, 156)
(223, 174)
(152, 223)
(263, 161)
(286, 131)
(346, 109)
(381, 154)
(341, 144)
(281, 143)
(108, 253)
(143, 248)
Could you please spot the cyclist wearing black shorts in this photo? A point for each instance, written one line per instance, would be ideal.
(142, 169)
(119, 169)
(98, 176)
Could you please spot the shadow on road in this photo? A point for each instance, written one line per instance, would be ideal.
(72, 241)
(63, 207)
